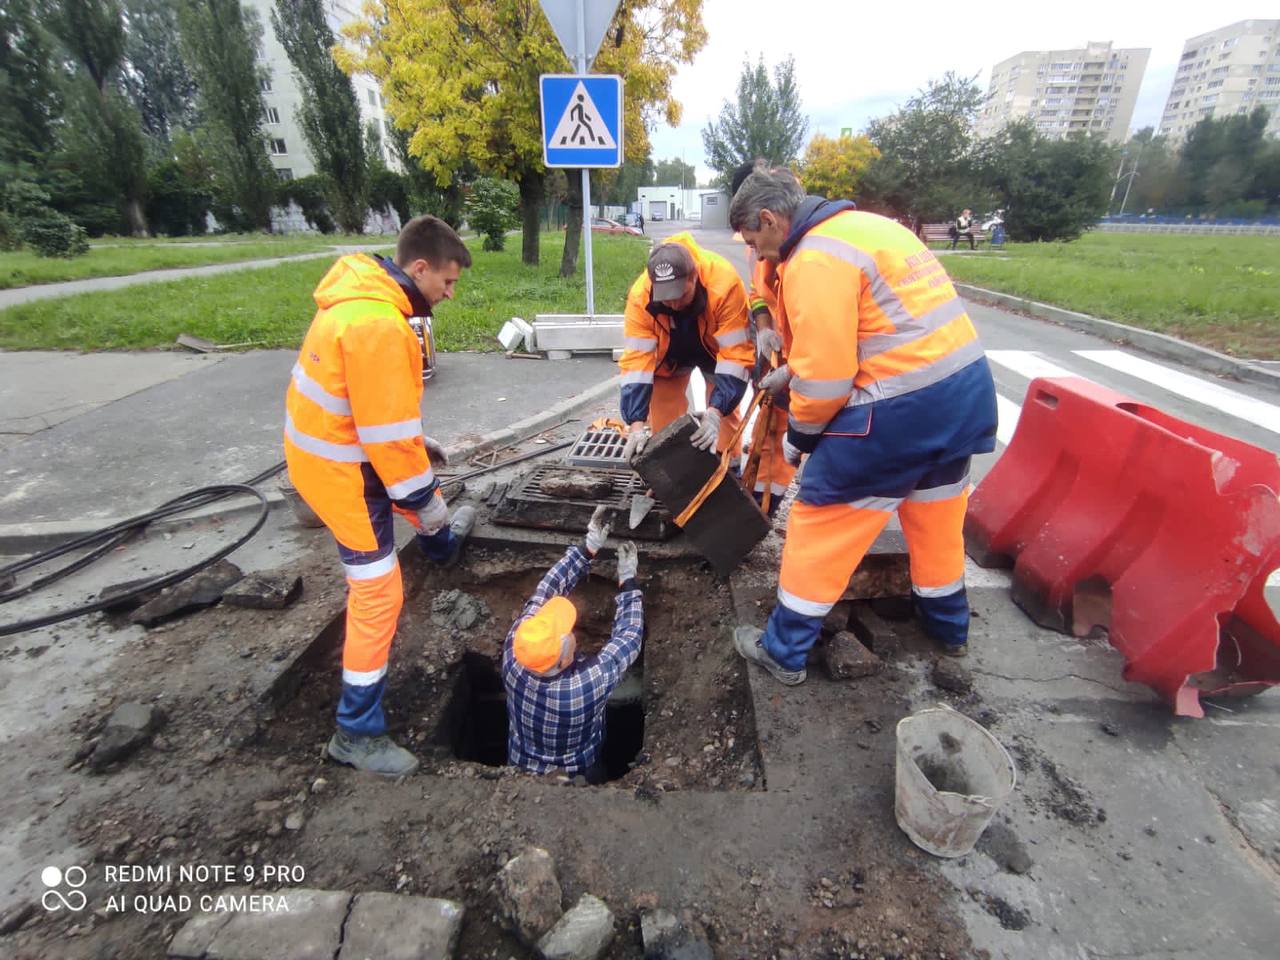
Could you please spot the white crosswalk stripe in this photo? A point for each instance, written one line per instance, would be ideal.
(1007, 415)
(1206, 392)
(1027, 363)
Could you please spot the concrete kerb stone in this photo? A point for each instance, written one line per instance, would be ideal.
(1158, 344)
(21, 538)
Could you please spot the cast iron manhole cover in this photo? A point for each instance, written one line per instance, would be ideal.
(598, 448)
(529, 502)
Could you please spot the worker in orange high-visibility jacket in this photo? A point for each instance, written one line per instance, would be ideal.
(356, 452)
(890, 396)
(775, 473)
(687, 310)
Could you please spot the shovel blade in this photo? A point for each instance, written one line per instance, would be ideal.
(640, 507)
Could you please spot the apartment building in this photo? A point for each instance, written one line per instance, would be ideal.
(1090, 89)
(1227, 71)
(281, 98)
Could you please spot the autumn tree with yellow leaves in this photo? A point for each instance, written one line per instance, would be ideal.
(462, 77)
(833, 166)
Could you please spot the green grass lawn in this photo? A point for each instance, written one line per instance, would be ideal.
(1221, 292)
(117, 256)
(272, 307)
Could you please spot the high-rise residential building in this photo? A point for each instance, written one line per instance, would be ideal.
(1227, 71)
(281, 97)
(1090, 89)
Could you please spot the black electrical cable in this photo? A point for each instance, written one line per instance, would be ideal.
(118, 532)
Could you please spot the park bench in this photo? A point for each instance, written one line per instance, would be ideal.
(941, 233)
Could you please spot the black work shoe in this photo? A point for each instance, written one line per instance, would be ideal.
(956, 649)
(380, 755)
(463, 522)
(746, 640)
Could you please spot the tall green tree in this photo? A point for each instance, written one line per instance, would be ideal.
(926, 168)
(328, 112)
(463, 76)
(1220, 158)
(220, 42)
(621, 186)
(426, 195)
(158, 80)
(30, 100)
(1049, 189)
(106, 130)
(675, 173)
(766, 121)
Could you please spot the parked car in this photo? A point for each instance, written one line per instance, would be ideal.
(601, 225)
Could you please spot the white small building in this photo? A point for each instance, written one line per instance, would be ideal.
(670, 203)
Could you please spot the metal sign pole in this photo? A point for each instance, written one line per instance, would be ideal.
(586, 173)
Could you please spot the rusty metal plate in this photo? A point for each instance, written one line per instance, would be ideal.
(527, 504)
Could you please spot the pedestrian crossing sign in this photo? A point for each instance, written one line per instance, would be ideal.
(581, 120)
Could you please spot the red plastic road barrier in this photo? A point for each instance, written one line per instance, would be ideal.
(1117, 515)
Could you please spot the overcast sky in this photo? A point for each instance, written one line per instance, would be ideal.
(858, 61)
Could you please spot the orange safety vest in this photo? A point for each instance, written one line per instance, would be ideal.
(355, 397)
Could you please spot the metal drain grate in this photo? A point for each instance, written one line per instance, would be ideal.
(598, 448)
(528, 504)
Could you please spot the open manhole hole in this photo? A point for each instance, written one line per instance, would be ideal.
(681, 719)
(479, 717)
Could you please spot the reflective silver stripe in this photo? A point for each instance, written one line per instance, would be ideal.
(808, 608)
(386, 432)
(643, 344)
(882, 504)
(945, 590)
(934, 494)
(806, 428)
(732, 338)
(318, 395)
(885, 297)
(398, 491)
(371, 571)
(822, 389)
(916, 379)
(338, 452)
(912, 330)
(637, 376)
(734, 370)
(363, 678)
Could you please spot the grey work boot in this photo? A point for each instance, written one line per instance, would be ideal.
(463, 522)
(746, 640)
(380, 755)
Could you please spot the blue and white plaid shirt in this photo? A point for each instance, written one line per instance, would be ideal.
(558, 722)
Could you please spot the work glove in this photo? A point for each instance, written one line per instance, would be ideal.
(598, 530)
(637, 440)
(790, 453)
(708, 432)
(436, 452)
(777, 381)
(433, 516)
(768, 342)
(628, 561)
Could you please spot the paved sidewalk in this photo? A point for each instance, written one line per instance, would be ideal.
(220, 422)
(45, 291)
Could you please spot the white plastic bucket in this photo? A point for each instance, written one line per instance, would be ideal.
(952, 775)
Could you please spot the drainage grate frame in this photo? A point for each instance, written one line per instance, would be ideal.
(598, 448)
(527, 504)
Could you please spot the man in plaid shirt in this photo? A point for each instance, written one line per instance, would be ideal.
(555, 699)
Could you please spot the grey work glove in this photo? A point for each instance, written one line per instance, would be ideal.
(628, 561)
(777, 381)
(791, 454)
(637, 440)
(598, 530)
(708, 432)
(768, 342)
(433, 516)
(435, 451)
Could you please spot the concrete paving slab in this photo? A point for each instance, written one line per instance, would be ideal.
(222, 423)
(41, 388)
(390, 927)
(308, 928)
